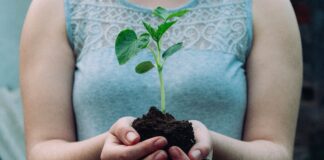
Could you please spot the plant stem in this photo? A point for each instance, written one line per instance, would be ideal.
(155, 58)
(162, 90)
(160, 68)
(159, 49)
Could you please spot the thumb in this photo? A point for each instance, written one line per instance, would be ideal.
(124, 131)
(203, 146)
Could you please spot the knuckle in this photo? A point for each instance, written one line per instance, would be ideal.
(120, 121)
(120, 127)
(129, 118)
(122, 130)
(147, 146)
(194, 121)
(114, 126)
(126, 120)
(197, 123)
(205, 150)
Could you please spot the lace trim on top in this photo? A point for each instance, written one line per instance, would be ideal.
(218, 25)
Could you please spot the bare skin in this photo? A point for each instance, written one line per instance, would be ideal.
(274, 73)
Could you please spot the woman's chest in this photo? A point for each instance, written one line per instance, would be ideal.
(206, 86)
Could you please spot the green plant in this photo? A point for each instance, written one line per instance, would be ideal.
(128, 44)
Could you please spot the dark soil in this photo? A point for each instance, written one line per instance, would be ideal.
(155, 123)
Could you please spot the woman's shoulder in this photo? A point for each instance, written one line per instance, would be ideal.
(272, 14)
(276, 31)
(46, 15)
(44, 27)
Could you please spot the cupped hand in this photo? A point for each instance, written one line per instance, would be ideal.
(201, 150)
(122, 143)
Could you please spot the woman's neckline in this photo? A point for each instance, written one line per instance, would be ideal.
(189, 4)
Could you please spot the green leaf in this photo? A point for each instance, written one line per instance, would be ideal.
(144, 67)
(128, 45)
(163, 28)
(177, 14)
(165, 15)
(161, 12)
(170, 51)
(143, 40)
(151, 30)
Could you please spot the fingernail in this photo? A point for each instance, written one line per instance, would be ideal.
(131, 136)
(196, 154)
(175, 153)
(160, 142)
(178, 151)
(160, 156)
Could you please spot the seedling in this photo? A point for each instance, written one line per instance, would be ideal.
(128, 44)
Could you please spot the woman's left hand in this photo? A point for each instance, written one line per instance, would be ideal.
(200, 150)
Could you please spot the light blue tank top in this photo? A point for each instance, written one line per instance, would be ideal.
(205, 81)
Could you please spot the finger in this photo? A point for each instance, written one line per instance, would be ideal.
(177, 154)
(142, 149)
(124, 131)
(202, 147)
(157, 155)
(113, 150)
(109, 147)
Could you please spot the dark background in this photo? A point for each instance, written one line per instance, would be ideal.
(309, 143)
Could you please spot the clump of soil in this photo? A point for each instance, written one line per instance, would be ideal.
(155, 123)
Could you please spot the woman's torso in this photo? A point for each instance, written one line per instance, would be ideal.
(205, 81)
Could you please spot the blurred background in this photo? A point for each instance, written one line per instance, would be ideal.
(309, 143)
(12, 14)
(310, 131)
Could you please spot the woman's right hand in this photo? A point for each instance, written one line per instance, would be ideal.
(123, 143)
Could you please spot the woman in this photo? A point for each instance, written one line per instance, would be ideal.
(241, 84)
